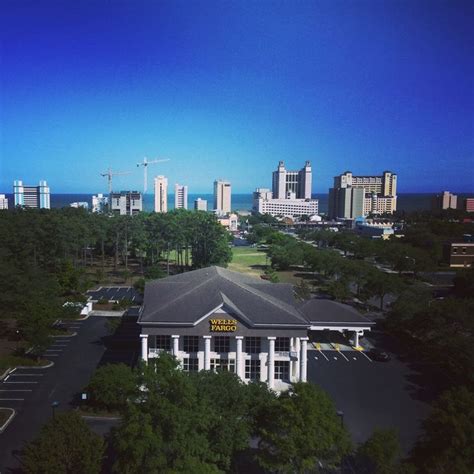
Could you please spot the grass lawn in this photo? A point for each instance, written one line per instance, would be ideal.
(248, 260)
(13, 361)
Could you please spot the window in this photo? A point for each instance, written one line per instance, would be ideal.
(282, 370)
(190, 364)
(225, 365)
(252, 369)
(252, 345)
(190, 343)
(221, 344)
(163, 343)
(282, 344)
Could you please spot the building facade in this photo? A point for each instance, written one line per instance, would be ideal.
(161, 194)
(32, 196)
(100, 203)
(200, 204)
(446, 200)
(214, 318)
(297, 182)
(355, 196)
(469, 204)
(180, 197)
(230, 222)
(222, 197)
(264, 203)
(83, 204)
(126, 203)
(458, 254)
(3, 202)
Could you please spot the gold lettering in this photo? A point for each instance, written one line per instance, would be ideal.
(223, 325)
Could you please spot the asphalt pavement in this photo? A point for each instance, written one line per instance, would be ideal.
(370, 394)
(32, 391)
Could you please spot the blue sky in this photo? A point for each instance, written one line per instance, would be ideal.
(229, 88)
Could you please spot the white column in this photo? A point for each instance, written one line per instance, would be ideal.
(239, 357)
(144, 338)
(303, 359)
(175, 345)
(297, 363)
(356, 339)
(207, 352)
(271, 361)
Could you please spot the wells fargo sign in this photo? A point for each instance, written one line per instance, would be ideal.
(223, 325)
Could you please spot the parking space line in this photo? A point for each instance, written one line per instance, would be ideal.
(21, 382)
(340, 352)
(11, 399)
(324, 355)
(54, 350)
(14, 390)
(366, 356)
(51, 355)
(26, 375)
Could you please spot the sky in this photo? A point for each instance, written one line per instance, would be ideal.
(226, 89)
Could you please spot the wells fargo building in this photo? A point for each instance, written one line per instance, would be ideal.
(214, 318)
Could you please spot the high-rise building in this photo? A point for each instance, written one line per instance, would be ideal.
(32, 196)
(356, 196)
(3, 201)
(99, 203)
(446, 200)
(180, 197)
(161, 194)
(297, 182)
(222, 197)
(126, 203)
(200, 204)
(469, 204)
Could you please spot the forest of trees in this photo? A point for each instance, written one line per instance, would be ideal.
(50, 256)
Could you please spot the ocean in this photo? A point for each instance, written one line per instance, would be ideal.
(407, 202)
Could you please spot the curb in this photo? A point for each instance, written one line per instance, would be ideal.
(10, 418)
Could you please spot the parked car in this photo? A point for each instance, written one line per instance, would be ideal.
(378, 355)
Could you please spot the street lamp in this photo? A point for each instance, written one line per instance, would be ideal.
(54, 405)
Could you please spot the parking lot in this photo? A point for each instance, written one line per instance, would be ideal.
(371, 394)
(21, 384)
(116, 293)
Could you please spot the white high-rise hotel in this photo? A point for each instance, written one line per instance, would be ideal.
(180, 197)
(222, 197)
(290, 195)
(161, 194)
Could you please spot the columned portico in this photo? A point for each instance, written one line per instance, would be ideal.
(271, 362)
(303, 359)
(239, 356)
(175, 344)
(356, 339)
(207, 352)
(144, 338)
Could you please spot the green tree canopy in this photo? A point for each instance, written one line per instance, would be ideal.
(64, 445)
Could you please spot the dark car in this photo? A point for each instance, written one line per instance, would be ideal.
(378, 355)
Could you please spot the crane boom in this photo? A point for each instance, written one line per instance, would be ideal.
(145, 164)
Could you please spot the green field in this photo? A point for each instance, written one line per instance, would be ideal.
(248, 260)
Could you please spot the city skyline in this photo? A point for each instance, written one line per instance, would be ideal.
(221, 90)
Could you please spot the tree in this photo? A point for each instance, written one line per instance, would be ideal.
(338, 289)
(299, 429)
(447, 443)
(380, 454)
(112, 386)
(380, 284)
(302, 290)
(65, 444)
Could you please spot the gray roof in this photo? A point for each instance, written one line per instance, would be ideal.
(328, 312)
(188, 297)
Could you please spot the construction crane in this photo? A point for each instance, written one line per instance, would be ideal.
(109, 173)
(145, 164)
